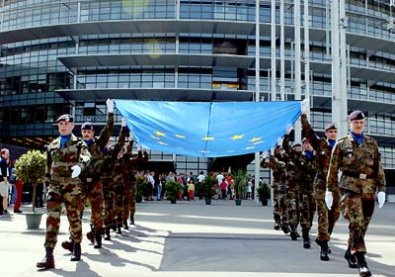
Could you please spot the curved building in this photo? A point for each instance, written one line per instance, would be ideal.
(70, 55)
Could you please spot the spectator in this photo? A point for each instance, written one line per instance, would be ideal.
(4, 175)
(191, 190)
(223, 186)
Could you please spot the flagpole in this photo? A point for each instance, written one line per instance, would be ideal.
(257, 88)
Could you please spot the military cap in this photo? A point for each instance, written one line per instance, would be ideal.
(65, 117)
(296, 145)
(330, 126)
(356, 115)
(87, 126)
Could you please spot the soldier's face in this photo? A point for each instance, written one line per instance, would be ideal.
(88, 134)
(65, 128)
(357, 126)
(331, 134)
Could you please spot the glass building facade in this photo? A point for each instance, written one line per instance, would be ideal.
(69, 56)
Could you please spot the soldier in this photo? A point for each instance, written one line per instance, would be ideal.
(358, 157)
(66, 157)
(279, 189)
(131, 164)
(107, 178)
(326, 219)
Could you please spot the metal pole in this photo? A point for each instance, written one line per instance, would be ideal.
(273, 50)
(343, 69)
(282, 52)
(257, 86)
(306, 52)
(298, 79)
(336, 107)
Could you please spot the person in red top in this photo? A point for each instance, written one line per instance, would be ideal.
(223, 186)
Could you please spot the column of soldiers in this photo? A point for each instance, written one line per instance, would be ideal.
(306, 179)
(89, 171)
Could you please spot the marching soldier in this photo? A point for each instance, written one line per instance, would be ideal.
(358, 157)
(323, 147)
(66, 157)
(279, 189)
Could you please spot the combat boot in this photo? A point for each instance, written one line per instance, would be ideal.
(277, 222)
(294, 234)
(132, 219)
(125, 225)
(107, 234)
(119, 231)
(68, 245)
(362, 265)
(352, 263)
(306, 239)
(48, 261)
(324, 251)
(285, 228)
(76, 256)
(98, 238)
(90, 235)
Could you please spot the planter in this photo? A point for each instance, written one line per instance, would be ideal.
(264, 202)
(139, 199)
(208, 201)
(173, 201)
(238, 202)
(33, 220)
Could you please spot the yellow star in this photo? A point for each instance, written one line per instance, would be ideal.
(160, 134)
(207, 138)
(237, 137)
(155, 137)
(162, 143)
(258, 142)
(255, 139)
(180, 136)
(249, 147)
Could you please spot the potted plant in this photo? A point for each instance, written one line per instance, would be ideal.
(173, 188)
(263, 192)
(141, 188)
(30, 169)
(208, 188)
(240, 179)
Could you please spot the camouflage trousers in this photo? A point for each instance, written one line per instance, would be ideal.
(280, 204)
(129, 203)
(93, 191)
(292, 203)
(326, 218)
(307, 207)
(109, 201)
(67, 191)
(118, 201)
(358, 210)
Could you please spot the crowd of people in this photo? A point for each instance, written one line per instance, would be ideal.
(306, 181)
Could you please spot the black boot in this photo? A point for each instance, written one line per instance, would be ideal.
(306, 239)
(324, 251)
(277, 222)
(294, 234)
(98, 238)
(76, 256)
(285, 228)
(68, 245)
(119, 231)
(125, 225)
(132, 219)
(362, 265)
(48, 261)
(107, 235)
(352, 263)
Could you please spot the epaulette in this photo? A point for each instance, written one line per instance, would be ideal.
(342, 138)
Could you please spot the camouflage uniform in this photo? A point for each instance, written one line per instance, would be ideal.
(110, 157)
(131, 164)
(326, 219)
(362, 175)
(279, 189)
(118, 187)
(92, 188)
(63, 188)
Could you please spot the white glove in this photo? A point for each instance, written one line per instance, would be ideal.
(305, 105)
(381, 198)
(138, 146)
(124, 122)
(265, 154)
(329, 199)
(110, 105)
(76, 171)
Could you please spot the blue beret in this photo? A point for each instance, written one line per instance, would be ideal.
(87, 126)
(330, 126)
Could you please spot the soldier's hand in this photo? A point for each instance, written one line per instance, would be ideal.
(381, 198)
(76, 171)
(305, 106)
(329, 199)
(138, 147)
(110, 105)
(265, 154)
(124, 122)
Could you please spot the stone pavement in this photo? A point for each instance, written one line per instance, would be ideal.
(193, 239)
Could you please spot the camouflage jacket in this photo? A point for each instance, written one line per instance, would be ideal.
(96, 150)
(278, 167)
(361, 161)
(321, 147)
(111, 155)
(60, 160)
(131, 164)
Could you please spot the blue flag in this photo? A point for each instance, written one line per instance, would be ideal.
(204, 129)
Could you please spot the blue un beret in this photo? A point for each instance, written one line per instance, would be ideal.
(330, 126)
(87, 126)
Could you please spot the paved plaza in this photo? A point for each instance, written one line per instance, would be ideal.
(193, 239)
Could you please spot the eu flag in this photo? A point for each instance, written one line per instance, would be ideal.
(205, 129)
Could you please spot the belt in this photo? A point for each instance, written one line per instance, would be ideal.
(361, 176)
(61, 179)
(90, 180)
